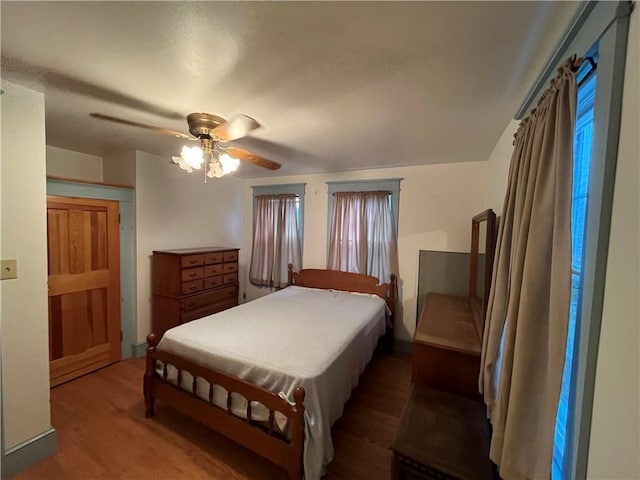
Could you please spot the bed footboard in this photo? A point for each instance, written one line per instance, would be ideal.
(262, 437)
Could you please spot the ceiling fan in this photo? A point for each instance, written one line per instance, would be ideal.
(212, 132)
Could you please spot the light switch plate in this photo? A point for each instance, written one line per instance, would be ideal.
(8, 269)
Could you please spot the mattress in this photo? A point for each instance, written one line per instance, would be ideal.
(319, 339)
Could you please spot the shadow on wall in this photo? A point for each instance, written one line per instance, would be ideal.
(400, 329)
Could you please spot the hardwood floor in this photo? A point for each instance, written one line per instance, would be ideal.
(102, 432)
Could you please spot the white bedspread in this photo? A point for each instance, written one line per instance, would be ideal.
(320, 339)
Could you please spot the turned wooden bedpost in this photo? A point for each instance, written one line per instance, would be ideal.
(392, 306)
(149, 372)
(296, 469)
(290, 274)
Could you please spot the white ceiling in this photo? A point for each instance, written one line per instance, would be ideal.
(336, 85)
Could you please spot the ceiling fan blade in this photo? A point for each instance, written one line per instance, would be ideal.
(122, 121)
(252, 158)
(238, 126)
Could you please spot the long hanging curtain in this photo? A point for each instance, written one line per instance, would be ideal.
(525, 336)
(276, 241)
(363, 237)
(264, 234)
(347, 251)
(288, 245)
(382, 251)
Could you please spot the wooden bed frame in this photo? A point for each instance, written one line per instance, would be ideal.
(260, 437)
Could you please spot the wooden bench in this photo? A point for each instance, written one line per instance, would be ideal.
(441, 436)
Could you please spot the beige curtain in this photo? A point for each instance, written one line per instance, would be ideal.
(276, 241)
(525, 337)
(363, 237)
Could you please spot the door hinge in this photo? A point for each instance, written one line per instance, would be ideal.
(118, 219)
(120, 335)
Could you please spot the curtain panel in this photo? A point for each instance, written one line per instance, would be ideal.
(276, 241)
(525, 336)
(363, 237)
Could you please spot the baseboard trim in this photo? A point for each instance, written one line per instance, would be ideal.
(403, 346)
(139, 350)
(29, 452)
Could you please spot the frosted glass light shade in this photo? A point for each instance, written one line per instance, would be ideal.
(229, 164)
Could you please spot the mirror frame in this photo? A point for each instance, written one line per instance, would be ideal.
(478, 308)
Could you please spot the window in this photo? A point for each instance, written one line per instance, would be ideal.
(581, 162)
(277, 233)
(362, 227)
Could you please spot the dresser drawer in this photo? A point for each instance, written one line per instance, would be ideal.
(230, 256)
(191, 261)
(211, 270)
(189, 283)
(230, 267)
(230, 278)
(215, 257)
(192, 274)
(212, 282)
(196, 301)
(192, 287)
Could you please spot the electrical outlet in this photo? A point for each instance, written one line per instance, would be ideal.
(8, 269)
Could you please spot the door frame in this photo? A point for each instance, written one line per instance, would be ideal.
(125, 196)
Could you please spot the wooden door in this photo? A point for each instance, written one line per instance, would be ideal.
(84, 286)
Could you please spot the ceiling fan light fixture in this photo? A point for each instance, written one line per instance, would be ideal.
(192, 156)
(220, 164)
(215, 170)
(182, 164)
(212, 132)
(229, 164)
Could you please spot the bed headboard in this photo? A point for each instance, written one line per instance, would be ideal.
(345, 281)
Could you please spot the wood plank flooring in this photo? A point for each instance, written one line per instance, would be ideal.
(102, 432)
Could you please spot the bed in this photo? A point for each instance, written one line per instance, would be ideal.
(279, 389)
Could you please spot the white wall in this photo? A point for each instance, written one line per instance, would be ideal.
(498, 168)
(120, 168)
(25, 330)
(176, 209)
(615, 426)
(76, 165)
(436, 206)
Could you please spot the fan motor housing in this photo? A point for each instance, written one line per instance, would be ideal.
(201, 124)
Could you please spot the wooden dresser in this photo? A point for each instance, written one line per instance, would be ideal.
(446, 346)
(191, 283)
(443, 432)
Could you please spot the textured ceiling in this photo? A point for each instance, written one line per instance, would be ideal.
(336, 85)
